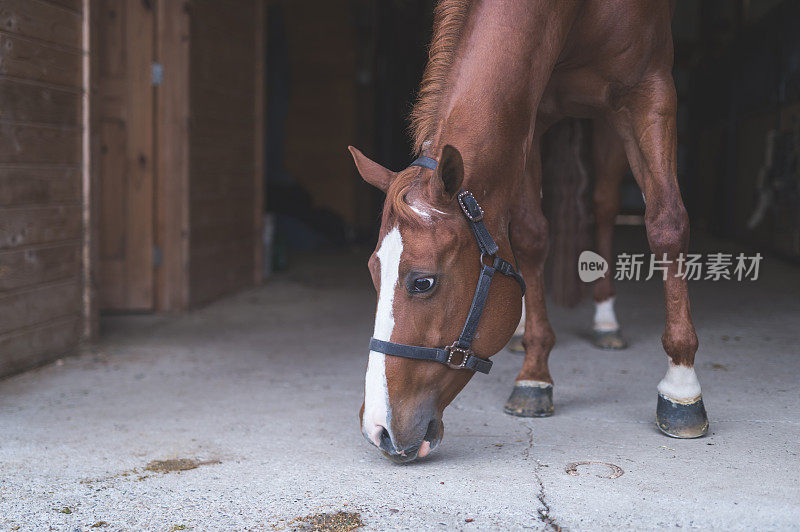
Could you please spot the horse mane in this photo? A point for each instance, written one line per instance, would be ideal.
(396, 203)
(449, 19)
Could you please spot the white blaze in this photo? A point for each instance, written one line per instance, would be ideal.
(604, 317)
(680, 384)
(421, 212)
(376, 393)
(424, 211)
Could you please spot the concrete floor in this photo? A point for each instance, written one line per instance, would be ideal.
(248, 386)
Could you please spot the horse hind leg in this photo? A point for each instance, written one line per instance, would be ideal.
(565, 160)
(610, 163)
(646, 123)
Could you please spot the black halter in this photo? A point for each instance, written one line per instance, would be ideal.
(459, 354)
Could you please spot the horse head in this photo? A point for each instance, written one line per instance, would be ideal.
(425, 268)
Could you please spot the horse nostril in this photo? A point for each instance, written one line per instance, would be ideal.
(432, 434)
(386, 441)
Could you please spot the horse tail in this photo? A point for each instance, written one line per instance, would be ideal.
(567, 204)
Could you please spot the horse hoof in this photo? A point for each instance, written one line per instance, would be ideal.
(530, 399)
(515, 345)
(680, 419)
(611, 340)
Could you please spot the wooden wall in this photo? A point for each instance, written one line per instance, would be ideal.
(41, 150)
(225, 146)
(204, 122)
(322, 107)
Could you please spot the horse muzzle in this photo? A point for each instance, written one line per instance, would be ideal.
(399, 452)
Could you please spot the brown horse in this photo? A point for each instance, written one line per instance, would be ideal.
(500, 73)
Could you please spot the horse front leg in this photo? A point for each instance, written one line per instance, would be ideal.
(609, 163)
(533, 389)
(646, 123)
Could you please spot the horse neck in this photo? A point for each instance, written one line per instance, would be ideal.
(488, 108)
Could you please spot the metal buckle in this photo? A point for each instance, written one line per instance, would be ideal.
(464, 207)
(465, 354)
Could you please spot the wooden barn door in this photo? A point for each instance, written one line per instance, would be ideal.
(123, 151)
(41, 164)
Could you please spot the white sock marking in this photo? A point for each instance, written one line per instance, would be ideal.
(680, 383)
(376, 393)
(521, 325)
(533, 384)
(604, 317)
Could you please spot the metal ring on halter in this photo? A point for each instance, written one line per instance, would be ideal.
(465, 355)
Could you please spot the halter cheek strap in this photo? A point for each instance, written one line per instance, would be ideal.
(459, 354)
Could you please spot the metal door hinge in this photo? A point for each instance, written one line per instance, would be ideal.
(157, 74)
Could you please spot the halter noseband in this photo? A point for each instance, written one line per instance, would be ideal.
(459, 354)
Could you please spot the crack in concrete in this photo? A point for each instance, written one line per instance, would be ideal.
(544, 512)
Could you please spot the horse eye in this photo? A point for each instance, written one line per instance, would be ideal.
(423, 284)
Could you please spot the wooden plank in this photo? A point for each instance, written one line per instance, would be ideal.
(208, 185)
(23, 58)
(234, 213)
(216, 235)
(222, 116)
(209, 134)
(90, 326)
(27, 267)
(109, 19)
(39, 185)
(38, 225)
(27, 144)
(227, 72)
(28, 348)
(23, 102)
(238, 51)
(140, 152)
(227, 168)
(210, 92)
(230, 18)
(39, 305)
(123, 147)
(222, 155)
(322, 53)
(111, 165)
(41, 80)
(259, 112)
(172, 136)
(226, 155)
(41, 20)
(229, 264)
(72, 5)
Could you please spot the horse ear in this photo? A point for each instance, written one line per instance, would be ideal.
(449, 174)
(373, 173)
